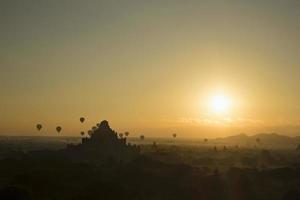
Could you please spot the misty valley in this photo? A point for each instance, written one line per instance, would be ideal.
(240, 167)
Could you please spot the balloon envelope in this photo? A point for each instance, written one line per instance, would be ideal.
(82, 119)
(39, 126)
(58, 129)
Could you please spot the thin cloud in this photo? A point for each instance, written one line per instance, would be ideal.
(227, 121)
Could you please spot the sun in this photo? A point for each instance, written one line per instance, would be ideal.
(220, 104)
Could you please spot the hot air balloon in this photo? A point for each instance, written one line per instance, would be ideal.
(82, 119)
(82, 133)
(58, 129)
(142, 137)
(174, 135)
(39, 127)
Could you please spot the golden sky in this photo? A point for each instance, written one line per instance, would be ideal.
(150, 67)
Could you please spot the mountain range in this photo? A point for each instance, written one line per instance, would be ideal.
(267, 139)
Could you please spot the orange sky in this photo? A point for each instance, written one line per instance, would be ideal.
(150, 67)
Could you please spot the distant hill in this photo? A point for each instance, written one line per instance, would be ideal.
(263, 139)
(240, 138)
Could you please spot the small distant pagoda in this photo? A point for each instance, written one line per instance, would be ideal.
(102, 144)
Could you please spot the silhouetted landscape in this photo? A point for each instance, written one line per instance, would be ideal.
(150, 100)
(106, 166)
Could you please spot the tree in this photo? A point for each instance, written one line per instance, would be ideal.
(215, 149)
(14, 192)
(154, 145)
(258, 140)
(121, 135)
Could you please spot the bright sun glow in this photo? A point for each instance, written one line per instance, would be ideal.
(220, 104)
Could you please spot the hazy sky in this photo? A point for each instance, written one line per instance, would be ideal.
(150, 67)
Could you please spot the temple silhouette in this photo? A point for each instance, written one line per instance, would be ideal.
(103, 144)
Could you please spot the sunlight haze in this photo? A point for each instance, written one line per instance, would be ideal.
(197, 68)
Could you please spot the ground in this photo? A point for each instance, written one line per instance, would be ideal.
(172, 170)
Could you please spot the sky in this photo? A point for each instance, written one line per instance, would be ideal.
(150, 67)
